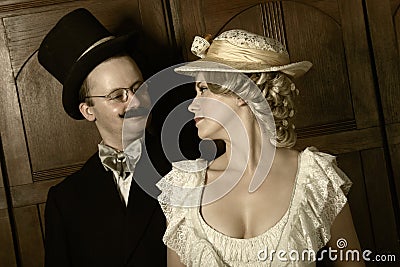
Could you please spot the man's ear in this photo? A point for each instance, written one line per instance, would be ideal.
(87, 112)
(240, 102)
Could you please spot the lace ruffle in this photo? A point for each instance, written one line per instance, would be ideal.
(319, 195)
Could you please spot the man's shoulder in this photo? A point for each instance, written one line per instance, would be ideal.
(91, 168)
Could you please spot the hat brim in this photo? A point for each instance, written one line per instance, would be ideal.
(294, 70)
(81, 69)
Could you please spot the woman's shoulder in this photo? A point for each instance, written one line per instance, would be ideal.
(182, 186)
(322, 168)
(319, 196)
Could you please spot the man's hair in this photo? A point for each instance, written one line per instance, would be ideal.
(84, 92)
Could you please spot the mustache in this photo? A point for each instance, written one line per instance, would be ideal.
(135, 112)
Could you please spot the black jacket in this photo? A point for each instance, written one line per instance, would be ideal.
(87, 224)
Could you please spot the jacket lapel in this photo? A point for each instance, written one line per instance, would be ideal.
(142, 201)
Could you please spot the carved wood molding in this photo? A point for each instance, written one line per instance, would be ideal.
(273, 21)
(331, 128)
(56, 172)
(30, 4)
(31, 194)
(3, 199)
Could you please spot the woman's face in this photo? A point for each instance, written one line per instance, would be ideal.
(213, 113)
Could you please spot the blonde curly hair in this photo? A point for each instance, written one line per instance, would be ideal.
(279, 91)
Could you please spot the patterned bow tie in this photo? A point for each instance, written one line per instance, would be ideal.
(121, 161)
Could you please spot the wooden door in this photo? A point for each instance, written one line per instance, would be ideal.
(339, 109)
(40, 144)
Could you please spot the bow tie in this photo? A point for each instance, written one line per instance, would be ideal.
(121, 161)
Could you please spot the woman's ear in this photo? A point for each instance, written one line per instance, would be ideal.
(240, 102)
(87, 112)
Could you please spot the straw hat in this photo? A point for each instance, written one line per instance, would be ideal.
(242, 51)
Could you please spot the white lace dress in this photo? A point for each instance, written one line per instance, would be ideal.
(318, 196)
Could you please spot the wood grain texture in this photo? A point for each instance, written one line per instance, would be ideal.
(395, 8)
(25, 32)
(7, 254)
(42, 208)
(29, 236)
(157, 45)
(11, 125)
(386, 56)
(56, 173)
(344, 142)
(325, 129)
(273, 20)
(3, 198)
(380, 202)
(324, 92)
(359, 63)
(351, 164)
(36, 193)
(12, 5)
(394, 151)
(63, 142)
(246, 20)
(393, 133)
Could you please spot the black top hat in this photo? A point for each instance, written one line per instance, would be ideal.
(73, 48)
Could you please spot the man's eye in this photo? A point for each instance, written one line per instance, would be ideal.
(119, 96)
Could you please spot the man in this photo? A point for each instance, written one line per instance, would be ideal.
(101, 216)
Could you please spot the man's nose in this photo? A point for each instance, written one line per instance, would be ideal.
(133, 100)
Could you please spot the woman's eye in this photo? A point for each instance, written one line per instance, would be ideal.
(202, 89)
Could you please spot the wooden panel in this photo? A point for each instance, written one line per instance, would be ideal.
(351, 164)
(12, 5)
(35, 193)
(12, 133)
(29, 236)
(42, 208)
(7, 255)
(344, 142)
(380, 202)
(393, 133)
(324, 92)
(250, 19)
(396, 20)
(3, 198)
(25, 32)
(156, 46)
(51, 145)
(208, 16)
(359, 63)
(394, 150)
(386, 56)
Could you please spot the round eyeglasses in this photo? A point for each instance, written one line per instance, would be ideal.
(121, 94)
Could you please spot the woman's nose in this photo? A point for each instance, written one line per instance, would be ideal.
(194, 106)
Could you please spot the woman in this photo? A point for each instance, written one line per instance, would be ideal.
(260, 203)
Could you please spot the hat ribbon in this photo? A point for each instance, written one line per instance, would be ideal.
(225, 51)
(99, 42)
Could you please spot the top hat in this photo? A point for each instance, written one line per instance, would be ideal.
(242, 51)
(73, 48)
